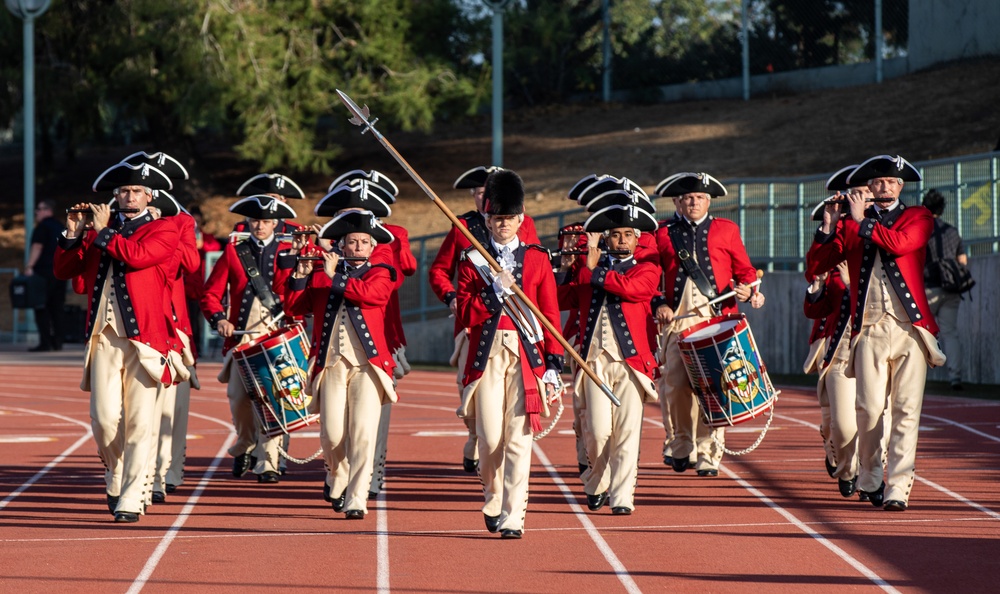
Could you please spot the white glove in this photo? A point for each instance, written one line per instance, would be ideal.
(552, 378)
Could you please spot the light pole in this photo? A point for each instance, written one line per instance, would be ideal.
(497, 6)
(28, 11)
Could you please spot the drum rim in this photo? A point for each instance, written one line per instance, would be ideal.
(739, 318)
(292, 329)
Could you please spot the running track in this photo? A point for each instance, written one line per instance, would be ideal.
(772, 521)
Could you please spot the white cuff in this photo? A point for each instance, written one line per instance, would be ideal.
(551, 377)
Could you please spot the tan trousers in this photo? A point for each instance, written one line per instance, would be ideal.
(173, 437)
(613, 432)
(504, 434)
(842, 426)
(350, 404)
(469, 450)
(248, 431)
(890, 367)
(579, 426)
(123, 400)
(681, 412)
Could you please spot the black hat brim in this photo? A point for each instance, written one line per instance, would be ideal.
(359, 193)
(262, 207)
(271, 183)
(620, 198)
(838, 181)
(688, 183)
(356, 221)
(166, 204)
(583, 184)
(125, 174)
(883, 166)
(170, 166)
(474, 178)
(375, 177)
(616, 217)
(608, 184)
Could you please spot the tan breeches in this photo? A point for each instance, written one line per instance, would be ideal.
(173, 436)
(613, 432)
(890, 368)
(469, 450)
(350, 404)
(248, 430)
(681, 411)
(505, 439)
(123, 400)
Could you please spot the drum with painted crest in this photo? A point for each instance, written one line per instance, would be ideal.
(726, 370)
(274, 370)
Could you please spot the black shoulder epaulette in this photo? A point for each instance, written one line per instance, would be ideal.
(538, 247)
(392, 271)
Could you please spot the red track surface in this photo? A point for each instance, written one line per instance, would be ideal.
(772, 521)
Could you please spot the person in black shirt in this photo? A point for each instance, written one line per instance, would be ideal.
(44, 238)
(944, 244)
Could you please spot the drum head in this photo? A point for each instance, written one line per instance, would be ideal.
(713, 329)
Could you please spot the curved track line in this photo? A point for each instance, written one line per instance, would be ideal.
(45, 469)
(161, 549)
(961, 426)
(839, 552)
(602, 545)
(931, 484)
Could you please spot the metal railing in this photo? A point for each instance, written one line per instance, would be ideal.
(774, 219)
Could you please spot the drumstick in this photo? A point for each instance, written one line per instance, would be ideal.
(720, 298)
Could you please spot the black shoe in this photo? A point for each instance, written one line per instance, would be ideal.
(680, 464)
(171, 488)
(159, 497)
(668, 461)
(126, 517)
(242, 464)
(492, 523)
(372, 495)
(708, 472)
(596, 502)
(470, 465)
(39, 349)
(621, 511)
(847, 488)
(895, 505)
(112, 504)
(268, 477)
(510, 534)
(830, 468)
(862, 496)
(875, 497)
(582, 467)
(354, 514)
(337, 502)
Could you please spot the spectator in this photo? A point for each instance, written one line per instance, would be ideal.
(48, 318)
(944, 244)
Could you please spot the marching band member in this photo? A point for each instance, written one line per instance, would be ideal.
(123, 261)
(254, 305)
(699, 254)
(277, 186)
(507, 383)
(893, 332)
(613, 293)
(442, 273)
(354, 366)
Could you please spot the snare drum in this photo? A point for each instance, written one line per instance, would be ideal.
(726, 371)
(274, 370)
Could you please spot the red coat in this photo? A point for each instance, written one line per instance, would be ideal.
(903, 238)
(405, 265)
(366, 289)
(626, 295)
(825, 309)
(147, 253)
(730, 262)
(445, 265)
(186, 261)
(229, 274)
(194, 282)
(479, 309)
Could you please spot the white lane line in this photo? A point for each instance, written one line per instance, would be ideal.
(931, 484)
(382, 543)
(961, 426)
(620, 571)
(413, 533)
(45, 469)
(844, 555)
(154, 559)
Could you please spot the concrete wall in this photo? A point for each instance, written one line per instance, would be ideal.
(781, 330)
(945, 30)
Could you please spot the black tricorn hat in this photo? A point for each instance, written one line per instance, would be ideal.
(688, 182)
(375, 177)
(123, 174)
(606, 184)
(167, 204)
(617, 216)
(262, 207)
(580, 186)
(883, 166)
(838, 181)
(170, 166)
(621, 198)
(270, 183)
(358, 193)
(503, 193)
(356, 221)
(475, 177)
